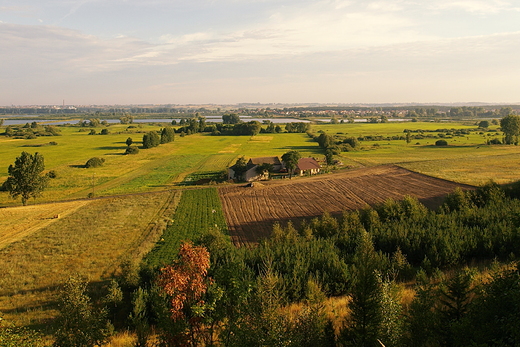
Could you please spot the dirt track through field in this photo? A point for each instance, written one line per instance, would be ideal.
(251, 211)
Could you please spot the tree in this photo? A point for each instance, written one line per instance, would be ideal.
(79, 324)
(231, 118)
(167, 134)
(151, 139)
(129, 141)
(290, 160)
(185, 284)
(1, 122)
(511, 128)
(483, 124)
(26, 178)
(240, 167)
(329, 157)
(367, 297)
(264, 168)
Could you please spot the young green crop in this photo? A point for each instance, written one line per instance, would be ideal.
(198, 211)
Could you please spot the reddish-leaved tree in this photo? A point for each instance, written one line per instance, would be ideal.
(185, 283)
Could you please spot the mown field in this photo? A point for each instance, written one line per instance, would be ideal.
(39, 252)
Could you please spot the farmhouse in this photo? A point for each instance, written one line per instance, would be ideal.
(307, 166)
(252, 168)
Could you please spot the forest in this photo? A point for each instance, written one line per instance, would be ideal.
(459, 263)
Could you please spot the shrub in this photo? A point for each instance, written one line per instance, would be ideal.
(132, 150)
(441, 143)
(52, 174)
(104, 131)
(151, 139)
(495, 141)
(94, 162)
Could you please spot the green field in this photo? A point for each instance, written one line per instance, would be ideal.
(151, 169)
(467, 159)
(199, 210)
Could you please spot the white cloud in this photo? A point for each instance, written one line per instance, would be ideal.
(473, 6)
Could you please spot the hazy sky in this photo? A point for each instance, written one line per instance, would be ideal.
(231, 51)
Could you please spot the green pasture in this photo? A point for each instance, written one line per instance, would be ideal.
(467, 159)
(158, 168)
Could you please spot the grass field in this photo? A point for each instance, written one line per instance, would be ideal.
(92, 240)
(467, 159)
(151, 169)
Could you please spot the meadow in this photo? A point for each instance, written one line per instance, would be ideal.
(159, 168)
(90, 238)
(467, 159)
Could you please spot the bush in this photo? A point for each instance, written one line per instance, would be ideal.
(495, 141)
(132, 150)
(441, 143)
(151, 139)
(94, 162)
(104, 131)
(52, 174)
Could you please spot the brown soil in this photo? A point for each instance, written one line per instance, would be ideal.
(251, 211)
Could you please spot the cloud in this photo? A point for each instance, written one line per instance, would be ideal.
(473, 6)
(56, 49)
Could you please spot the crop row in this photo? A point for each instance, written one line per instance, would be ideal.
(199, 210)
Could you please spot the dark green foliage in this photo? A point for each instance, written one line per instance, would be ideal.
(231, 118)
(240, 168)
(510, 126)
(151, 139)
(26, 178)
(366, 317)
(494, 316)
(79, 323)
(290, 161)
(441, 143)
(299, 127)
(52, 174)
(129, 141)
(94, 162)
(132, 150)
(483, 124)
(104, 131)
(92, 132)
(167, 135)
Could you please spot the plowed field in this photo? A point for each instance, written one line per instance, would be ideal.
(251, 211)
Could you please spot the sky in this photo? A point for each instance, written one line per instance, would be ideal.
(107, 52)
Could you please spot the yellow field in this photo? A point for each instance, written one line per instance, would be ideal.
(89, 237)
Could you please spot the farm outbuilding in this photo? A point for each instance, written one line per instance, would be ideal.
(307, 166)
(251, 173)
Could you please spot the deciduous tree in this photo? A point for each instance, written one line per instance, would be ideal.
(511, 127)
(26, 178)
(290, 160)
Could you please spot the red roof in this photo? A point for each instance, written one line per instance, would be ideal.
(308, 164)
